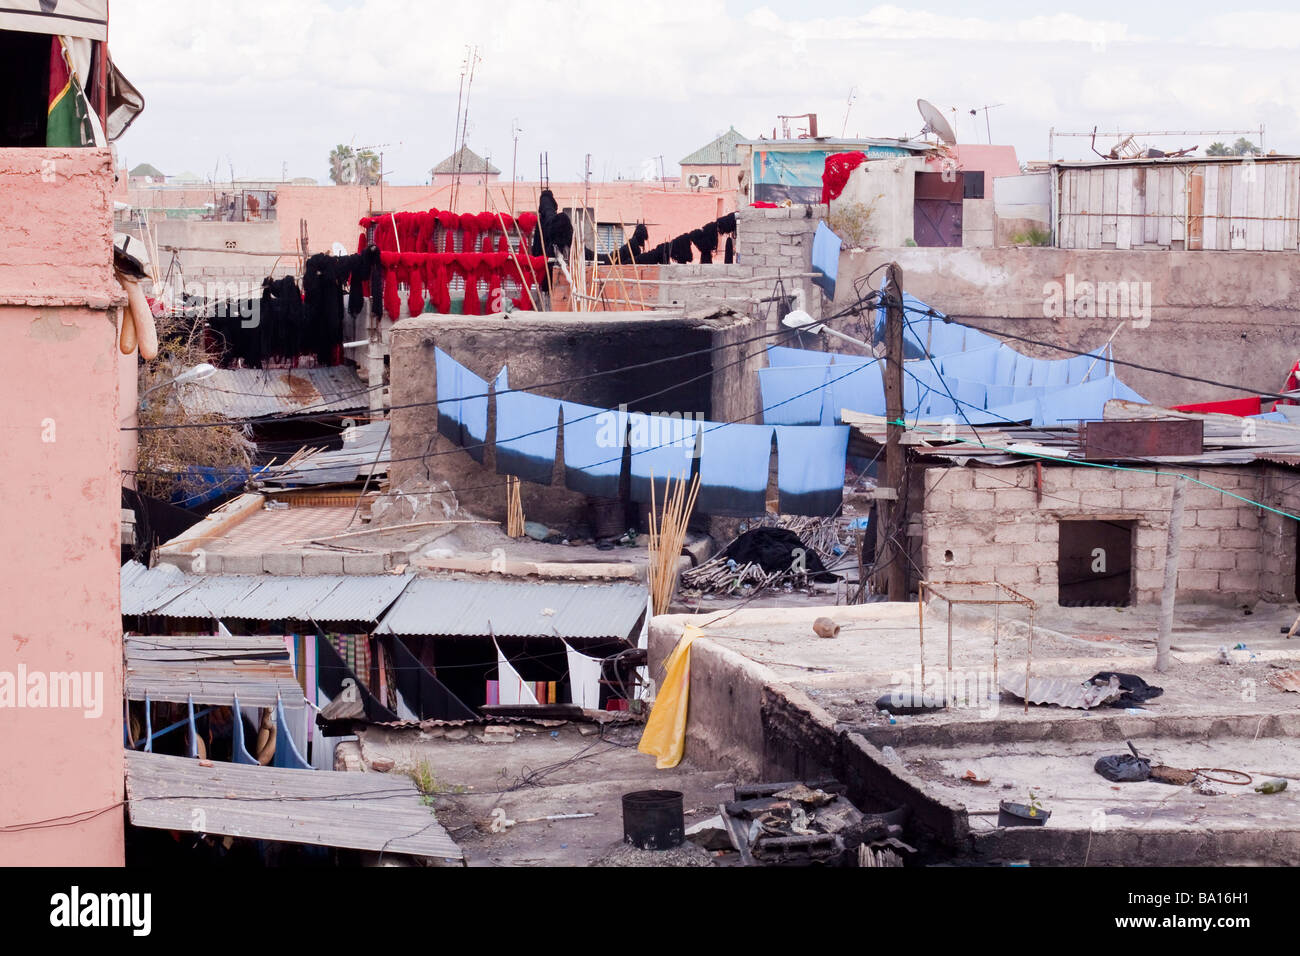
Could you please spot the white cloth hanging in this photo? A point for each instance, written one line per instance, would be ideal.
(584, 678)
(513, 688)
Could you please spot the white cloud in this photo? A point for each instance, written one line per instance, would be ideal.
(269, 82)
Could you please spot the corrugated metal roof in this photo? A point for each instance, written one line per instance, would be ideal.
(476, 608)
(361, 598)
(208, 596)
(364, 811)
(167, 592)
(1062, 691)
(210, 670)
(371, 448)
(144, 590)
(278, 598)
(257, 393)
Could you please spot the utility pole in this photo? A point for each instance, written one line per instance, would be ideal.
(890, 551)
(1171, 577)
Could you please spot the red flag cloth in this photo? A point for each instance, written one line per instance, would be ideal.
(836, 174)
(1232, 406)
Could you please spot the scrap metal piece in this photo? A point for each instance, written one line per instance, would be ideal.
(801, 793)
(1062, 691)
(1286, 680)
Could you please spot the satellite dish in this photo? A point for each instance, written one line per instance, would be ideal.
(935, 123)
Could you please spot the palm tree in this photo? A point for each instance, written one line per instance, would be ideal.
(1217, 149)
(368, 171)
(1244, 147)
(343, 165)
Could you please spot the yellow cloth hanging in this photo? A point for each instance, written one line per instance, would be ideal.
(664, 736)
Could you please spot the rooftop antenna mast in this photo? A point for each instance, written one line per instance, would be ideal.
(472, 59)
(853, 90)
(514, 164)
(378, 148)
(987, 128)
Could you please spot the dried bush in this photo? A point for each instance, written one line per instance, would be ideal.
(852, 223)
(165, 454)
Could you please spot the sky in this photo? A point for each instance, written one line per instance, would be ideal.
(266, 88)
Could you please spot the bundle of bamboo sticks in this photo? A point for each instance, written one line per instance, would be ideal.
(514, 508)
(667, 535)
(717, 575)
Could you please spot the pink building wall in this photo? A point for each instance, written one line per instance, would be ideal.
(59, 578)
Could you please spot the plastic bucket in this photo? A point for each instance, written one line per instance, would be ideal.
(653, 819)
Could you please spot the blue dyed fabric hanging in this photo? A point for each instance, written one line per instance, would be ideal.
(287, 755)
(793, 395)
(859, 390)
(527, 429)
(1086, 402)
(462, 404)
(664, 445)
(977, 366)
(474, 414)
(826, 259)
(810, 469)
(735, 463)
(779, 356)
(593, 449)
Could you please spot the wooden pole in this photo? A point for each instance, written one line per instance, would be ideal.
(1171, 577)
(892, 554)
(920, 623)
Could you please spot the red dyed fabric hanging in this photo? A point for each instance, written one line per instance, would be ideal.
(393, 274)
(414, 264)
(835, 176)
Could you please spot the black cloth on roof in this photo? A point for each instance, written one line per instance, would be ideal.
(729, 252)
(627, 253)
(1136, 690)
(283, 320)
(655, 257)
(706, 240)
(322, 286)
(774, 549)
(727, 224)
(362, 267)
(332, 671)
(680, 249)
(421, 691)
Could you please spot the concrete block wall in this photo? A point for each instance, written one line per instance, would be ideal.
(988, 524)
(772, 241)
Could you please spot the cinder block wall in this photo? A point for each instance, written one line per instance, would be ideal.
(991, 522)
(772, 241)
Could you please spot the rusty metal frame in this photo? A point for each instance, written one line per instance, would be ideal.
(1010, 596)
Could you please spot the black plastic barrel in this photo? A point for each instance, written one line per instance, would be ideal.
(653, 819)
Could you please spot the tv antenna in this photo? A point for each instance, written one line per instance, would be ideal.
(472, 59)
(853, 94)
(987, 129)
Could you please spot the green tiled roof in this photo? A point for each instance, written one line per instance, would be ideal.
(720, 152)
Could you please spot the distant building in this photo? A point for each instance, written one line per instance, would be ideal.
(147, 173)
(716, 165)
(472, 168)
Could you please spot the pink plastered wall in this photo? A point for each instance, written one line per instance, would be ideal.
(60, 766)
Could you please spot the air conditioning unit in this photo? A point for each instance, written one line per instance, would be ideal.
(701, 180)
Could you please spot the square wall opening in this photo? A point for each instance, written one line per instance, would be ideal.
(1095, 563)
